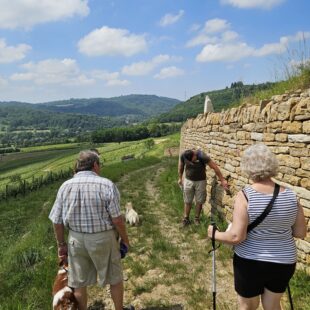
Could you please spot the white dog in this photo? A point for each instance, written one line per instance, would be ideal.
(132, 216)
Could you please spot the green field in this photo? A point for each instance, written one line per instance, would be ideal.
(35, 162)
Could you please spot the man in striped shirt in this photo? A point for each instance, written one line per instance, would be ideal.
(89, 207)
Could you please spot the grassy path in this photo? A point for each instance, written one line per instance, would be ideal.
(168, 266)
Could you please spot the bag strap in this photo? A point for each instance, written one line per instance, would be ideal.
(260, 218)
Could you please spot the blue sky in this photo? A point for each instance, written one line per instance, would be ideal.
(61, 49)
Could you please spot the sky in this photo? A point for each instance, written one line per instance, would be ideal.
(61, 49)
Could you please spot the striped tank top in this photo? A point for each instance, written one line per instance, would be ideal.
(272, 239)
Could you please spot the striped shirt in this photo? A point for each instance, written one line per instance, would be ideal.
(272, 239)
(86, 203)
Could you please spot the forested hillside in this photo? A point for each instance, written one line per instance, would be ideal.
(24, 124)
(221, 99)
(139, 105)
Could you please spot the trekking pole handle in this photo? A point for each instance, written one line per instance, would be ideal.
(213, 235)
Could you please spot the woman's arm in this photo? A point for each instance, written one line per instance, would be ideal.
(300, 228)
(238, 230)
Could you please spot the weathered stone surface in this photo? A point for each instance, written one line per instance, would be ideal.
(305, 163)
(299, 138)
(303, 173)
(280, 149)
(306, 127)
(243, 135)
(229, 168)
(268, 137)
(304, 246)
(257, 136)
(291, 127)
(287, 170)
(289, 161)
(274, 127)
(291, 179)
(305, 183)
(298, 152)
(281, 137)
(306, 205)
(279, 98)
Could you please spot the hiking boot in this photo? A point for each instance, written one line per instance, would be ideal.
(129, 308)
(186, 222)
(197, 221)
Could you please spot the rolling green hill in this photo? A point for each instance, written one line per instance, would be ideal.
(25, 124)
(141, 105)
(221, 99)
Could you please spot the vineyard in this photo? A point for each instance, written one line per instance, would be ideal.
(35, 167)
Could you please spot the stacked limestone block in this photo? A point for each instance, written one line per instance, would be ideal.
(282, 123)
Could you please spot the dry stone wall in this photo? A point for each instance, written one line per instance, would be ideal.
(282, 123)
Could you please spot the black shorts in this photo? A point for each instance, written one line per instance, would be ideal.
(252, 276)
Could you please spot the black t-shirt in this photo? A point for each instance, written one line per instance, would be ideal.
(196, 171)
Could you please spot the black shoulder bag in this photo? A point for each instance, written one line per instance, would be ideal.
(260, 218)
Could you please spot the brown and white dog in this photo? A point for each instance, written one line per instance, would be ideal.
(64, 298)
(131, 216)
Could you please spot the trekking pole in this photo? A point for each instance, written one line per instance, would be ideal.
(213, 265)
(290, 297)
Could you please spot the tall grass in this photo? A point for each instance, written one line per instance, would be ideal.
(292, 73)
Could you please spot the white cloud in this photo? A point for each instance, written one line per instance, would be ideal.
(145, 67)
(117, 82)
(251, 4)
(224, 52)
(111, 78)
(170, 19)
(194, 28)
(216, 25)
(201, 39)
(104, 75)
(223, 44)
(27, 13)
(169, 72)
(229, 35)
(208, 34)
(112, 42)
(53, 71)
(12, 53)
(271, 48)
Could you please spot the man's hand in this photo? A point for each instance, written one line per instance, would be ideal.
(62, 251)
(180, 182)
(225, 185)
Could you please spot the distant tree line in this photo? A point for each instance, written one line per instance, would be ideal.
(133, 133)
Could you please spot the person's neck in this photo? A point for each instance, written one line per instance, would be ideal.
(266, 182)
(264, 186)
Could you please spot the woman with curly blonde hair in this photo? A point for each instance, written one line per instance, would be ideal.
(265, 257)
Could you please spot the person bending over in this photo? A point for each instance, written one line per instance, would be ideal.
(194, 162)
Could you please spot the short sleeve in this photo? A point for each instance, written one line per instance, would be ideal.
(56, 213)
(204, 157)
(113, 207)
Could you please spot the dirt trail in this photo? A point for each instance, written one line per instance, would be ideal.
(191, 270)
